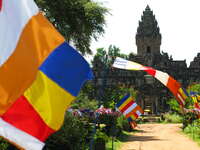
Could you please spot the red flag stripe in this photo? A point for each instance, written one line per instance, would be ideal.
(127, 106)
(151, 71)
(23, 116)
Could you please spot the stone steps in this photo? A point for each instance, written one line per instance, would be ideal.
(151, 118)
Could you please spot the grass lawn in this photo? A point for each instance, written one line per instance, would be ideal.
(193, 132)
(117, 142)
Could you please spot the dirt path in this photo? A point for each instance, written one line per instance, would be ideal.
(159, 137)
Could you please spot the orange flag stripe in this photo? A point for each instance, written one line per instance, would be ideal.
(16, 75)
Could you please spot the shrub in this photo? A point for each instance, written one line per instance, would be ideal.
(172, 118)
(4, 145)
(123, 123)
(74, 135)
(193, 130)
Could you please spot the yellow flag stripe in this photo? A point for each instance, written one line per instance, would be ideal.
(182, 93)
(125, 103)
(49, 100)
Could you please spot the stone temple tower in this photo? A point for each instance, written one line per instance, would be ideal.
(148, 37)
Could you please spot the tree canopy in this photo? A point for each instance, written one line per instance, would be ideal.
(78, 20)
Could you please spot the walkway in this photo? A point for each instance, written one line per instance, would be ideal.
(159, 137)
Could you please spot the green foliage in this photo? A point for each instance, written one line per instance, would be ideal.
(100, 140)
(78, 20)
(102, 63)
(83, 102)
(123, 123)
(111, 127)
(117, 141)
(3, 144)
(107, 57)
(85, 99)
(74, 135)
(194, 88)
(174, 105)
(193, 130)
(101, 136)
(173, 118)
(188, 119)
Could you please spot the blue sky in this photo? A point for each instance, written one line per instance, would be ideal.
(179, 22)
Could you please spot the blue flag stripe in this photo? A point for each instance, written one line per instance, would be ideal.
(123, 100)
(67, 68)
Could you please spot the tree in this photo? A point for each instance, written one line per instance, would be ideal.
(78, 20)
(102, 66)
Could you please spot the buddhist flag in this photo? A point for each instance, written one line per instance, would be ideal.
(40, 75)
(164, 78)
(194, 96)
(129, 108)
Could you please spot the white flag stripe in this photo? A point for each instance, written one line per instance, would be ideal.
(125, 64)
(138, 113)
(130, 108)
(120, 63)
(162, 77)
(181, 99)
(12, 10)
(19, 137)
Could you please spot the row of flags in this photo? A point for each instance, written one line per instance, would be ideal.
(129, 108)
(40, 75)
(174, 86)
(164, 78)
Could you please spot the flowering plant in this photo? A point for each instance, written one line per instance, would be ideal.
(106, 116)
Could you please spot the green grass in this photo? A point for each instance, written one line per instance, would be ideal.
(117, 142)
(193, 132)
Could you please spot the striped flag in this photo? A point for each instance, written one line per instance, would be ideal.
(128, 107)
(164, 78)
(194, 96)
(40, 75)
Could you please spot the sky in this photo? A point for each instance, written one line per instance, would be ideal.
(178, 20)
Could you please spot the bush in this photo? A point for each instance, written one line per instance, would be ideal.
(100, 140)
(172, 118)
(174, 105)
(188, 119)
(193, 130)
(74, 135)
(4, 145)
(123, 123)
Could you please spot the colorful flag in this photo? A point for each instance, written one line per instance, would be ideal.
(40, 75)
(164, 78)
(129, 108)
(194, 96)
